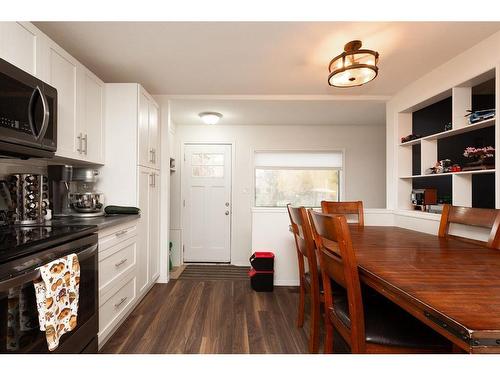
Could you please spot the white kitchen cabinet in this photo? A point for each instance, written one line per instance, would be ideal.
(149, 136)
(154, 226)
(92, 117)
(19, 42)
(118, 256)
(63, 75)
(148, 267)
(124, 180)
(144, 186)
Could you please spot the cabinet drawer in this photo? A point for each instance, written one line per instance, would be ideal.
(116, 261)
(115, 307)
(112, 236)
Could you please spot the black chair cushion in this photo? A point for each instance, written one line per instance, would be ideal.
(388, 324)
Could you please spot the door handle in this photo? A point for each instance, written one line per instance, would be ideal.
(85, 139)
(31, 117)
(120, 262)
(79, 149)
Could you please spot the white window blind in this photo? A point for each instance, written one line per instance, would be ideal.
(298, 159)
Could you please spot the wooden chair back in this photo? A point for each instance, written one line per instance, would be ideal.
(344, 208)
(304, 240)
(338, 263)
(477, 217)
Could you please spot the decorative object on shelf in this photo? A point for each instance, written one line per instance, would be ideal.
(210, 118)
(353, 67)
(477, 116)
(421, 199)
(410, 137)
(442, 166)
(447, 127)
(482, 158)
(456, 168)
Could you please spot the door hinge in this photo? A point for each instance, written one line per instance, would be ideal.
(184, 157)
(183, 203)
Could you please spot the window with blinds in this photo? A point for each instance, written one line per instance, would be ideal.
(300, 178)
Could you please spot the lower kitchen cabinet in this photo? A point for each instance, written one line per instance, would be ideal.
(129, 259)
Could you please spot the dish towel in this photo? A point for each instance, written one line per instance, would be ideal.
(57, 298)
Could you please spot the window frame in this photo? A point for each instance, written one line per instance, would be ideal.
(340, 169)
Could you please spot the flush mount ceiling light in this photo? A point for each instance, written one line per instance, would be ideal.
(210, 118)
(353, 67)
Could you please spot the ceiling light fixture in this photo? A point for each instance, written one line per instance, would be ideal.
(210, 118)
(353, 67)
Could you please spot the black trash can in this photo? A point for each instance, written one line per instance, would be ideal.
(262, 272)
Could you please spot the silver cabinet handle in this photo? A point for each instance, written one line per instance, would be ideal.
(151, 155)
(86, 140)
(120, 262)
(121, 233)
(79, 149)
(117, 305)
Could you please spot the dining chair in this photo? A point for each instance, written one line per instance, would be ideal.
(344, 208)
(310, 281)
(477, 217)
(367, 323)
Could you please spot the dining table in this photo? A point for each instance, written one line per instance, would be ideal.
(450, 284)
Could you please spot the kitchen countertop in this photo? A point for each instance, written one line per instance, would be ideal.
(102, 222)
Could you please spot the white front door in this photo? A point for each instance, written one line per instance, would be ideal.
(206, 194)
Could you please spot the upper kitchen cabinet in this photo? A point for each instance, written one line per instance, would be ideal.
(92, 117)
(80, 116)
(19, 42)
(62, 73)
(148, 131)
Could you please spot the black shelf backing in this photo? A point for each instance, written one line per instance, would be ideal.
(432, 119)
(483, 190)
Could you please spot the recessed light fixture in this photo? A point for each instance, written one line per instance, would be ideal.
(210, 118)
(353, 67)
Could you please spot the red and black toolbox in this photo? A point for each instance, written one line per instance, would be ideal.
(262, 271)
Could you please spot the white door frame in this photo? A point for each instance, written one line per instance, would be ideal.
(181, 219)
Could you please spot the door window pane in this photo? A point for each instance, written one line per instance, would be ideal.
(300, 187)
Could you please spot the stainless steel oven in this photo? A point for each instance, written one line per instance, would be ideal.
(28, 114)
(19, 329)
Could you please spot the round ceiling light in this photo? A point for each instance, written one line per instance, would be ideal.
(210, 118)
(353, 67)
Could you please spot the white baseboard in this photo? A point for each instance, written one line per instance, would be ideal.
(286, 282)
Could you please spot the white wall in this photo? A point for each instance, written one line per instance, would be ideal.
(364, 166)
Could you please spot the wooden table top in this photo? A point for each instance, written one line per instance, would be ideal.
(455, 283)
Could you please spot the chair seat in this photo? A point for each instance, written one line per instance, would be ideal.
(388, 324)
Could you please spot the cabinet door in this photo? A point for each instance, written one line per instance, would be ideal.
(154, 227)
(18, 45)
(93, 119)
(154, 135)
(144, 182)
(63, 76)
(145, 156)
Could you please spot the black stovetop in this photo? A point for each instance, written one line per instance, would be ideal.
(21, 240)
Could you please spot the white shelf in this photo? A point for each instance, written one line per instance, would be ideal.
(449, 133)
(480, 171)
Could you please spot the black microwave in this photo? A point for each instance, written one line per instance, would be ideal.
(28, 114)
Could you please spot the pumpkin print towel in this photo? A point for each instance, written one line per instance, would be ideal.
(57, 298)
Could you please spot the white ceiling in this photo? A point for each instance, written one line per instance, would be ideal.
(281, 112)
(259, 57)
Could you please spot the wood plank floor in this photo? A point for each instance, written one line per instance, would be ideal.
(219, 316)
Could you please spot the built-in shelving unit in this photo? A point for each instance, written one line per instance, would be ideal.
(472, 188)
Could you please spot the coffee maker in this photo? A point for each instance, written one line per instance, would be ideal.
(72, 191)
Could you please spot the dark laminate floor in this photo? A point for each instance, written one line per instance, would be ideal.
(219, 316)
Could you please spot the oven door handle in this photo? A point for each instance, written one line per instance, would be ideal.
(5, 285)
(19, 280)
(87, 253)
